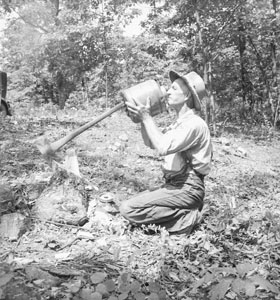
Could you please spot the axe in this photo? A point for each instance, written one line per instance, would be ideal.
(48, 149)
(139, 92)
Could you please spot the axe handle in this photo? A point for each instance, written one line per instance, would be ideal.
(60, 143)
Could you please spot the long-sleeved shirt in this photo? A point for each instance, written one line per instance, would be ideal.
(186, 143)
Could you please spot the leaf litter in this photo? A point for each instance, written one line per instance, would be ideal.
(233, 254)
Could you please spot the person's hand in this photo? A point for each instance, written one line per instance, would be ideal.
(138, 112)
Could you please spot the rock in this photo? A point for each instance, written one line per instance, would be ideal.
(123, 137)
(242, 151)
(41, 277)
(6, 193)
(225, 141)
(6, 198)
(13, 225)
(62, 204)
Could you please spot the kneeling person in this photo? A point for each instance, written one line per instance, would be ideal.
(187, 150)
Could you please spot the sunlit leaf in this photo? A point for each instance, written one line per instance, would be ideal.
(98, 277)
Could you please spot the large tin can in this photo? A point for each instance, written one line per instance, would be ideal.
(144, 90)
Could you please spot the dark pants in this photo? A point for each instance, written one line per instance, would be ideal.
(175, 206)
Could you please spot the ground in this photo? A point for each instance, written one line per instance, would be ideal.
(232, 254)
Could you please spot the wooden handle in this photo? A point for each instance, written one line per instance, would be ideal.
(60, 143)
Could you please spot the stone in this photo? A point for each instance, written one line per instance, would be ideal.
(225, 141)
(6, 198)
(13, 225)
(62, 204)
(123, 137)
(242, 151)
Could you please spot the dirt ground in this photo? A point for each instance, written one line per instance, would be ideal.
(233, 254)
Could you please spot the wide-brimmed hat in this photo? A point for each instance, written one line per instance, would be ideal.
(194, 83)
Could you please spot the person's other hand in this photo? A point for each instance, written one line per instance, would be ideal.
(138, 112)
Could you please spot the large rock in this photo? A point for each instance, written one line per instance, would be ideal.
(62, 204)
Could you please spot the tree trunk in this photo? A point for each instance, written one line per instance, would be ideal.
(242, 48)
(212, 97)
(210, 106)
(275, 68)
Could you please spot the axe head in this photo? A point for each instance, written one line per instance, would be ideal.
(45, 147)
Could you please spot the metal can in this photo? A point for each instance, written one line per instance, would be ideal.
(144, 90)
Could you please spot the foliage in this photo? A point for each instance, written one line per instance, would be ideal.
(65, 46)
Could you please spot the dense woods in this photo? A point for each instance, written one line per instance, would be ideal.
(63, 51)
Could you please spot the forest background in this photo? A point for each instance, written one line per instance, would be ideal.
(67, 62)
(79, 53)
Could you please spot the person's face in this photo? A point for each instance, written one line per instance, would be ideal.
(176, 95)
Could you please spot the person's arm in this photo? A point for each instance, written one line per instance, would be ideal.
(150, 132)
(153, 133)
(145, 137)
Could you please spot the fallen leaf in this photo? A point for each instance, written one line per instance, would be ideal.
(102, 289)
(162, 295)
(96, 296)
(110, 285)
(123, 296)
(98, 277)
(244, 268)
(265, 284)
(250, 288)
(4, 279)
(124, 287)
(246, 286)
(62, 256)
(153, 296)
(139, 296)
(219, 290)
(125, 277)
(135, 287)
(86, 293)
(154, 287)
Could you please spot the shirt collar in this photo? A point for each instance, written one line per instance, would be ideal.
(187, 114)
